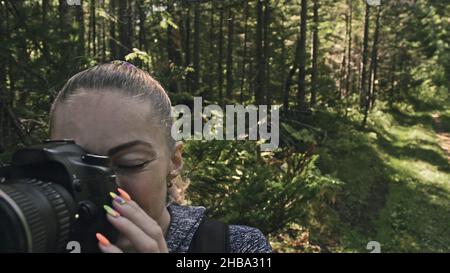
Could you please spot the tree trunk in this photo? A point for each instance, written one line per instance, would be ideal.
(302, 57)
(173, 50)
(283, 63)
(4, 61)
(244, 54)
(130, 26)
(142, 30)
(374, 61)
(230, 53)
(211, 51)
(195, 84)
(349, 49)
(267, 53)
(187, 47)
(93, 26)
(392, 79)
(45, 10)
(220, 57)
(363, 87)
(24, 59)
(315, 51)
(259, 84)
(103, 36)
(81, 29)
(373, 69)
(64, 22)
(63, 18)
(342, 69)
(288, 81)
(112, 31)
(10, 86)
(124, 28)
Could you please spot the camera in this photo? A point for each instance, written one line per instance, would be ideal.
(51, 196)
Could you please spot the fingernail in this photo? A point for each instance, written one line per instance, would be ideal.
(124, 194)
(111, 211)
(117, 198)
(102, 239)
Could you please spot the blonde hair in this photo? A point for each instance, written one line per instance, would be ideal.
(123, 77)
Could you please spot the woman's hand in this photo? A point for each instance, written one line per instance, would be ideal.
(136, 228)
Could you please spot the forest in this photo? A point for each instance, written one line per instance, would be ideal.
(362, 85)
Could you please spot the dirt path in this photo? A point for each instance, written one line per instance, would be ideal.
(444, 137)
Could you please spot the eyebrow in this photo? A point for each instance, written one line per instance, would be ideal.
(127, 145)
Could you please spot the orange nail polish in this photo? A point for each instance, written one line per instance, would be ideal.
(102, 239)
(124, 194)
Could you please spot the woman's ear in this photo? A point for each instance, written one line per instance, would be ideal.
(176, 161)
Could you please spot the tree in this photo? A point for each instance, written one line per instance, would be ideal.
(125, 32)
(363, 84)
(374, 60)
(259, 83)
(92, 28)
(113, 54)
(173, 50)
(288, 81)
(45, 10)
(81, 29)
(187, 45)
(230, 53)
(211, 49)
(268, 91)
(197, 32)
(142, 29)
(315, 52)
(220, 57)
(349, 48)
(244, 53)
(301, 93)
(102, 43)
(373, 69)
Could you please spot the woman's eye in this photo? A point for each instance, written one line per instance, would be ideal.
(132, 167)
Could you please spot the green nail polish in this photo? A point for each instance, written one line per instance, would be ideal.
(111, 211)
(117, 198)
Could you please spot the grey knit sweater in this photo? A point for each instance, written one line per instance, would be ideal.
(185, 221)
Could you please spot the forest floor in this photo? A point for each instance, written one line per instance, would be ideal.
(396, 175)
(443, 135)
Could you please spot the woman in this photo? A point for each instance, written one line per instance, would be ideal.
(119, 110)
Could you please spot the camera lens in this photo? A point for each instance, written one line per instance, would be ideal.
(35, 216)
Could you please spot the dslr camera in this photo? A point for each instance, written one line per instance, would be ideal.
(51, 199)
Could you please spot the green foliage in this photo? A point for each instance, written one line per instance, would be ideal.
(240, 186)
(293, 239)
(139, 55)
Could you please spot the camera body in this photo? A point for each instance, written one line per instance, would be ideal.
(52, 194)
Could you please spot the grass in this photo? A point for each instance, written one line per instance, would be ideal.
(397, 182)
(416, 216)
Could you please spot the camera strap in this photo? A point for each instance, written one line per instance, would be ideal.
(212, 236)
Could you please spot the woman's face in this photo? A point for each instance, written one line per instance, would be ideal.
(111, 124)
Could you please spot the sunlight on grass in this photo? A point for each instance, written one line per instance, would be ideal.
(416, 213)
(402, 152)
